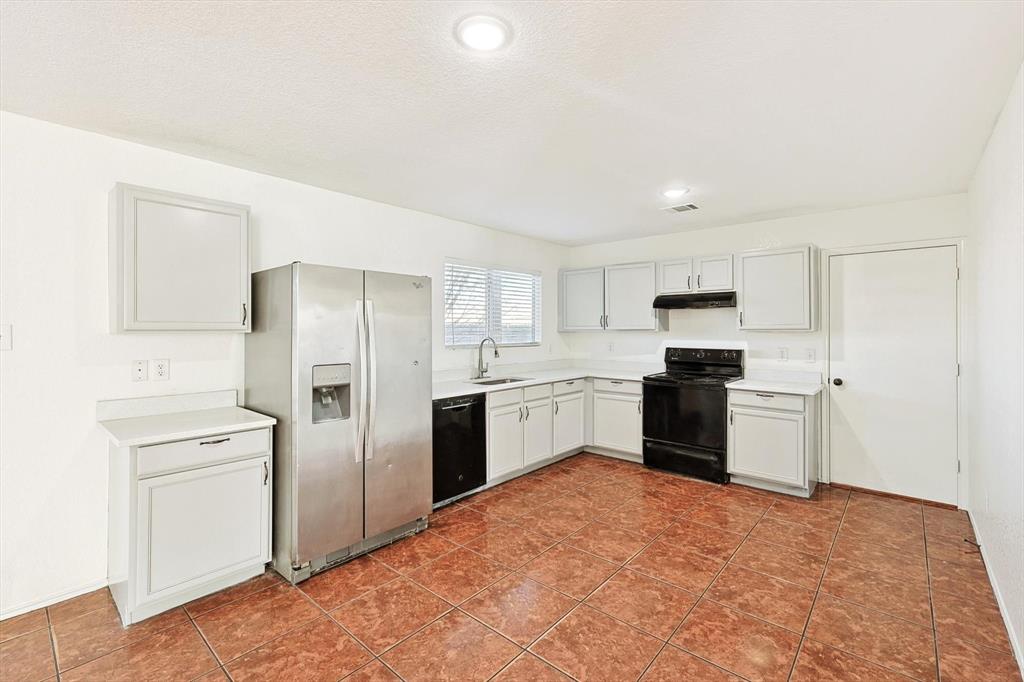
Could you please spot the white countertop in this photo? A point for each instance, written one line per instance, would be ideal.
(772, 386)
(161, 428)
(451, 389)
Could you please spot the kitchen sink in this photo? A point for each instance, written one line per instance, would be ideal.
(494, 382)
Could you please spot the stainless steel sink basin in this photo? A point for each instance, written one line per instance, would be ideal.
(494, 382)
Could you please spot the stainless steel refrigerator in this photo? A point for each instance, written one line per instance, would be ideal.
(342, 358)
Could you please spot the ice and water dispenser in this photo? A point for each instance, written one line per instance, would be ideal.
(332, 392)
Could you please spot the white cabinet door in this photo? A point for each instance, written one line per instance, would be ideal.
(198, 524)
(582, 299)
(767, 445)
(179, 263)
(504, 440)
(569, 422)
(675, 276)
(617, 421)
(714, 273)
(629, 292)
(537, 430)
(776, 289)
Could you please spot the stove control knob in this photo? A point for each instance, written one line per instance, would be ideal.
(700, 355)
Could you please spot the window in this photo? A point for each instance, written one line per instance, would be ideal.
(481, 302)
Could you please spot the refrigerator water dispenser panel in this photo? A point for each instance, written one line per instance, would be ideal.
(332, 395)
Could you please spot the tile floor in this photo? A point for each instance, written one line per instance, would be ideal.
(592, 569)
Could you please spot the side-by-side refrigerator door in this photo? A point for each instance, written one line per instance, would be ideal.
(399, 435)
(330, 415)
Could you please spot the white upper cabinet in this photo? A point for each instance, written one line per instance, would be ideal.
(178, 263)
(714, 273)
(675, 276)
(582, 299)
(777, 289)
(629, 292)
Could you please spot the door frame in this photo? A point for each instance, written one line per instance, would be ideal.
(825, 463)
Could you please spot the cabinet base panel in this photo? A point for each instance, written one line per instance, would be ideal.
(775, 487)
(617, 454)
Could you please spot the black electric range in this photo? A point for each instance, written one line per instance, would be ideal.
(685, 412)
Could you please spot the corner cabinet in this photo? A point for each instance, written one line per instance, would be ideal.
(581, 300)
(777, 289)
(177, 262)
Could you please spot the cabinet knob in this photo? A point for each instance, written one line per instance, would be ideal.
(837, 382)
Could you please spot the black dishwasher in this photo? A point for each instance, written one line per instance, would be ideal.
(460, 445)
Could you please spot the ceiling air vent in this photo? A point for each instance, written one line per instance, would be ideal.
(681, 208)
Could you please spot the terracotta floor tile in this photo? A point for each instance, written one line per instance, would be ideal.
(374, 671)
(645, 603)
(319, 651)
(529, 668)
(953, 523)
(739, 643)
(965, 662)
(458, 575)
(250, 586)
(676, 665)
(872, 557)
(455, 647)
(569, 570)
(506, 505)
(79, 606)
(827, 497)
(99, 632)
(884, 532)
(731, 496)
(216, 675)
(820, 663)
(706, 540)
(954, 550)
(464, 524)
(970, 621)
(410, 553)
(382, 617)
(776, 601)
(780, 562)
(793, 535)
(606, 541)
(23, 624)
(824, 520)
(895, 595)
(555, 520)
(510, 545)
(639, 516)
(733, 519)
(592, 646)
(691, 571)
(242, 625)
(340, 584)
(519, 608)
(28, 657)
(969, 582)
(890, 642)
(586, 504)
(177, 653)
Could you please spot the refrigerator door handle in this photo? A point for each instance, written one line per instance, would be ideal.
(373, 378)
(361, 333)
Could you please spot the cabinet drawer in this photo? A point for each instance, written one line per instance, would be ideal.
(618, 386)
(776, 401)
(535, 392)
(188, 454)
(571, 386)
(499, 398)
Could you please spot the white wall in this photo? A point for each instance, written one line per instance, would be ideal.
(934, 218)
(996, 374)
(53, 229)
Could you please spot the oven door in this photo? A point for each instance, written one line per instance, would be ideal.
(687, 414)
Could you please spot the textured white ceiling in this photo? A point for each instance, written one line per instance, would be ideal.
(571, 132)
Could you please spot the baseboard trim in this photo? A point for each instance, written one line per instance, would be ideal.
(882, 493)
(50, 600)
(1015, 642)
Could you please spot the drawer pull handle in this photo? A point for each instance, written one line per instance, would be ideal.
(766, 396)
(616, 382)
(214, 442)
(569, 383)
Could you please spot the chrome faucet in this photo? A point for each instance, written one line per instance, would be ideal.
(481, 368)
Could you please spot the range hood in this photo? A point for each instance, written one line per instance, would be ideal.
(713, 299)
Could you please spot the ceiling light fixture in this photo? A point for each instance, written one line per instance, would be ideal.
(676, 193)
(482, 33)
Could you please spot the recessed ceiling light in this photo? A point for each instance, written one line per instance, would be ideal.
(676, 193)
(482, 33)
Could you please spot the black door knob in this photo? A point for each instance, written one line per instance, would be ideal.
(837, 382)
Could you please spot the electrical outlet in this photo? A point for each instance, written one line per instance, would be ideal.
(140, 370)
(161, 369)
(783, 353)
(809, 355)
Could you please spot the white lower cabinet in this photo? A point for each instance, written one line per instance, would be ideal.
(772, 441)
(618, 418)
(569, 422)
(504, 440)
(537, 430)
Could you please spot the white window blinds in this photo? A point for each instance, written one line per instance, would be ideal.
(481, 302)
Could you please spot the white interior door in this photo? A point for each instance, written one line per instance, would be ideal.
(893, 346)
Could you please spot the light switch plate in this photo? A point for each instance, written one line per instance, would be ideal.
(6, 342)
(161, 369)
(140, 370)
